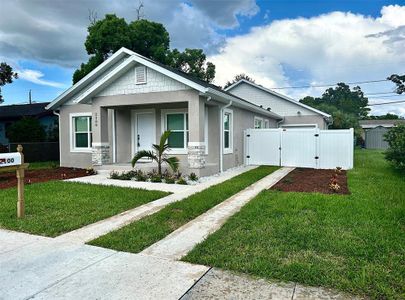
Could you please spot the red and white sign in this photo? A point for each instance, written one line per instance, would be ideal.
(10, 159)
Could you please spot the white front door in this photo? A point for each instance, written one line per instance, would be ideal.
(144, 131)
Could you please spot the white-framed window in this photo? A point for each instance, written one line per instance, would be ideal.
(228, 131)
(258, 122)
(266, 123)
(140, 75)
(177, 122)
(80, 132)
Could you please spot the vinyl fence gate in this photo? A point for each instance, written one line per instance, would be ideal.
(296, 147)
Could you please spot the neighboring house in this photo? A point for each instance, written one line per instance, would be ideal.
(374, 131)
(125, 104)
(12, 113)
(294, 113)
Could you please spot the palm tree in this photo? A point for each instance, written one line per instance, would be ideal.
(159, 154)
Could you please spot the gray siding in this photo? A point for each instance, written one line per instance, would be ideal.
(375, 138)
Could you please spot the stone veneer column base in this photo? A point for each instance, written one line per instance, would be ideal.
(100, 154)
(196, 155)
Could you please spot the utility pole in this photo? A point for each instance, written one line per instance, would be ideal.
(29, 97)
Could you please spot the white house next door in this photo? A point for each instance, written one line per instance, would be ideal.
(144, 130)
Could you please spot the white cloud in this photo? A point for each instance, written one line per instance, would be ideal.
(35, 76)
(324, 49)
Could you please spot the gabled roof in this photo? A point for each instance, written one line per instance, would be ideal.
(284, 97)
(132, 58)
(23, 110)
(383, 123)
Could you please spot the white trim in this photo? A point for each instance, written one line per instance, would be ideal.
(195, 144)
(231, 131)
(300, 125)
(206, 138)
(114, 136)
(134, 129)
(99, 144)
(72, 133)
(278, 95)
(164, 113)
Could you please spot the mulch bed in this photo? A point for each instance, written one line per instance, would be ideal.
(8, 180)
(312, 180)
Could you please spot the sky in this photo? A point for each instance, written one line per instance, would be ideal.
(280, 43)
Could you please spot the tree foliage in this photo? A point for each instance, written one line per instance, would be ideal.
(25, 130)
(147, 38)
(388, 116)
(399, 80)
(7, 75)
(238, 78)
(396, 141)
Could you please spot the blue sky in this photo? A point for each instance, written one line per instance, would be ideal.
(279, 43)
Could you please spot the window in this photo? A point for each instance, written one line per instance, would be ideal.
(140, 75)
(177, 123)
(81, 132)
(258, 123)
(228, 131)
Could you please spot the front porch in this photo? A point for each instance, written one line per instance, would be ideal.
(120, 131)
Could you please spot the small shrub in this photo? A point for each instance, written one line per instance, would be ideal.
(193, 177)
(156, 178)
(333, 184)
(170, 180)
(114, 175)
(395, 137)
(90, 171)
(182, 181)
(140, 176)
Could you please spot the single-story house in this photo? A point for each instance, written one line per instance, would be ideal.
(126, 103)
(295, 114)
(12, 113)
(374, 131)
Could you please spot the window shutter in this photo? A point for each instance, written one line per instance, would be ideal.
(140, 75)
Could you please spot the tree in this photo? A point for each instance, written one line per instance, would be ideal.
(388, 116)
(7, 75)
(27, 129)
(399, 80)
(396, 141)
(159, 154)
(147, 38)
(193, 62)
(238, 78)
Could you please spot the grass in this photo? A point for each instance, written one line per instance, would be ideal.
(143, 233)
(43, 165)
(354, 243)
(56, 207)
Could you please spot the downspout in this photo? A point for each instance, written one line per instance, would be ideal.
(221, 136)
(279, 122)
(60, 152)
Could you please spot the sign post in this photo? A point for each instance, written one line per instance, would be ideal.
(11, 162)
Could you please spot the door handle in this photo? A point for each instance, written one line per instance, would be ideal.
(138, 138)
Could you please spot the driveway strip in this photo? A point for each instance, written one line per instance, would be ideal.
(181, 241)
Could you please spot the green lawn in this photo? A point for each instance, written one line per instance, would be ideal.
(143, 233)
(354, 243)
(55, 207)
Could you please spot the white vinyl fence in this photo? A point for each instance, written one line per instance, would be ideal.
(295, 147)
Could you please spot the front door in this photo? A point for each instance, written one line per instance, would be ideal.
(144, 131)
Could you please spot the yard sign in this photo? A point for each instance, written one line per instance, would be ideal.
(11, 162)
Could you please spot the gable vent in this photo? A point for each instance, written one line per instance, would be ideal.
(140, 75)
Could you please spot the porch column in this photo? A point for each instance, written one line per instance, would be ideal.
(196, 144)
(100, 145)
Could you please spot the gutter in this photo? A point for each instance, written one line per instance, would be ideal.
(221, 136)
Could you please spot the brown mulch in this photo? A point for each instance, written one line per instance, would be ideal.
(8, 180)
(312, 180)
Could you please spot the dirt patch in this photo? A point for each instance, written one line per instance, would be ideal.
(312, 180)
(8, 180)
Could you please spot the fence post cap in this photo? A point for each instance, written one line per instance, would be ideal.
(20, 148)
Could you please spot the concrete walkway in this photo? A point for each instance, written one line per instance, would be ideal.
(180, 242)
(93, 231)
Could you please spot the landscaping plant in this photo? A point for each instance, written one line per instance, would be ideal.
(159, 154)
(396, 141)
(193, 177)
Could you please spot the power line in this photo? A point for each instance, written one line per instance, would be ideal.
(379, 93)
(387, 96)
(327, 85)
(384, 103)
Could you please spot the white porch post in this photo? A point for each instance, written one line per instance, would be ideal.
(196, 144)
(100, 144)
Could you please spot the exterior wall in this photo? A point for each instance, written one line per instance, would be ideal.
(259, 97)
(374, 138)
(71, 159)
(312, 119)
(242, 119)
(155, 82)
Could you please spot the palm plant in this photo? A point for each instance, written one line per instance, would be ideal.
(159, 154)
